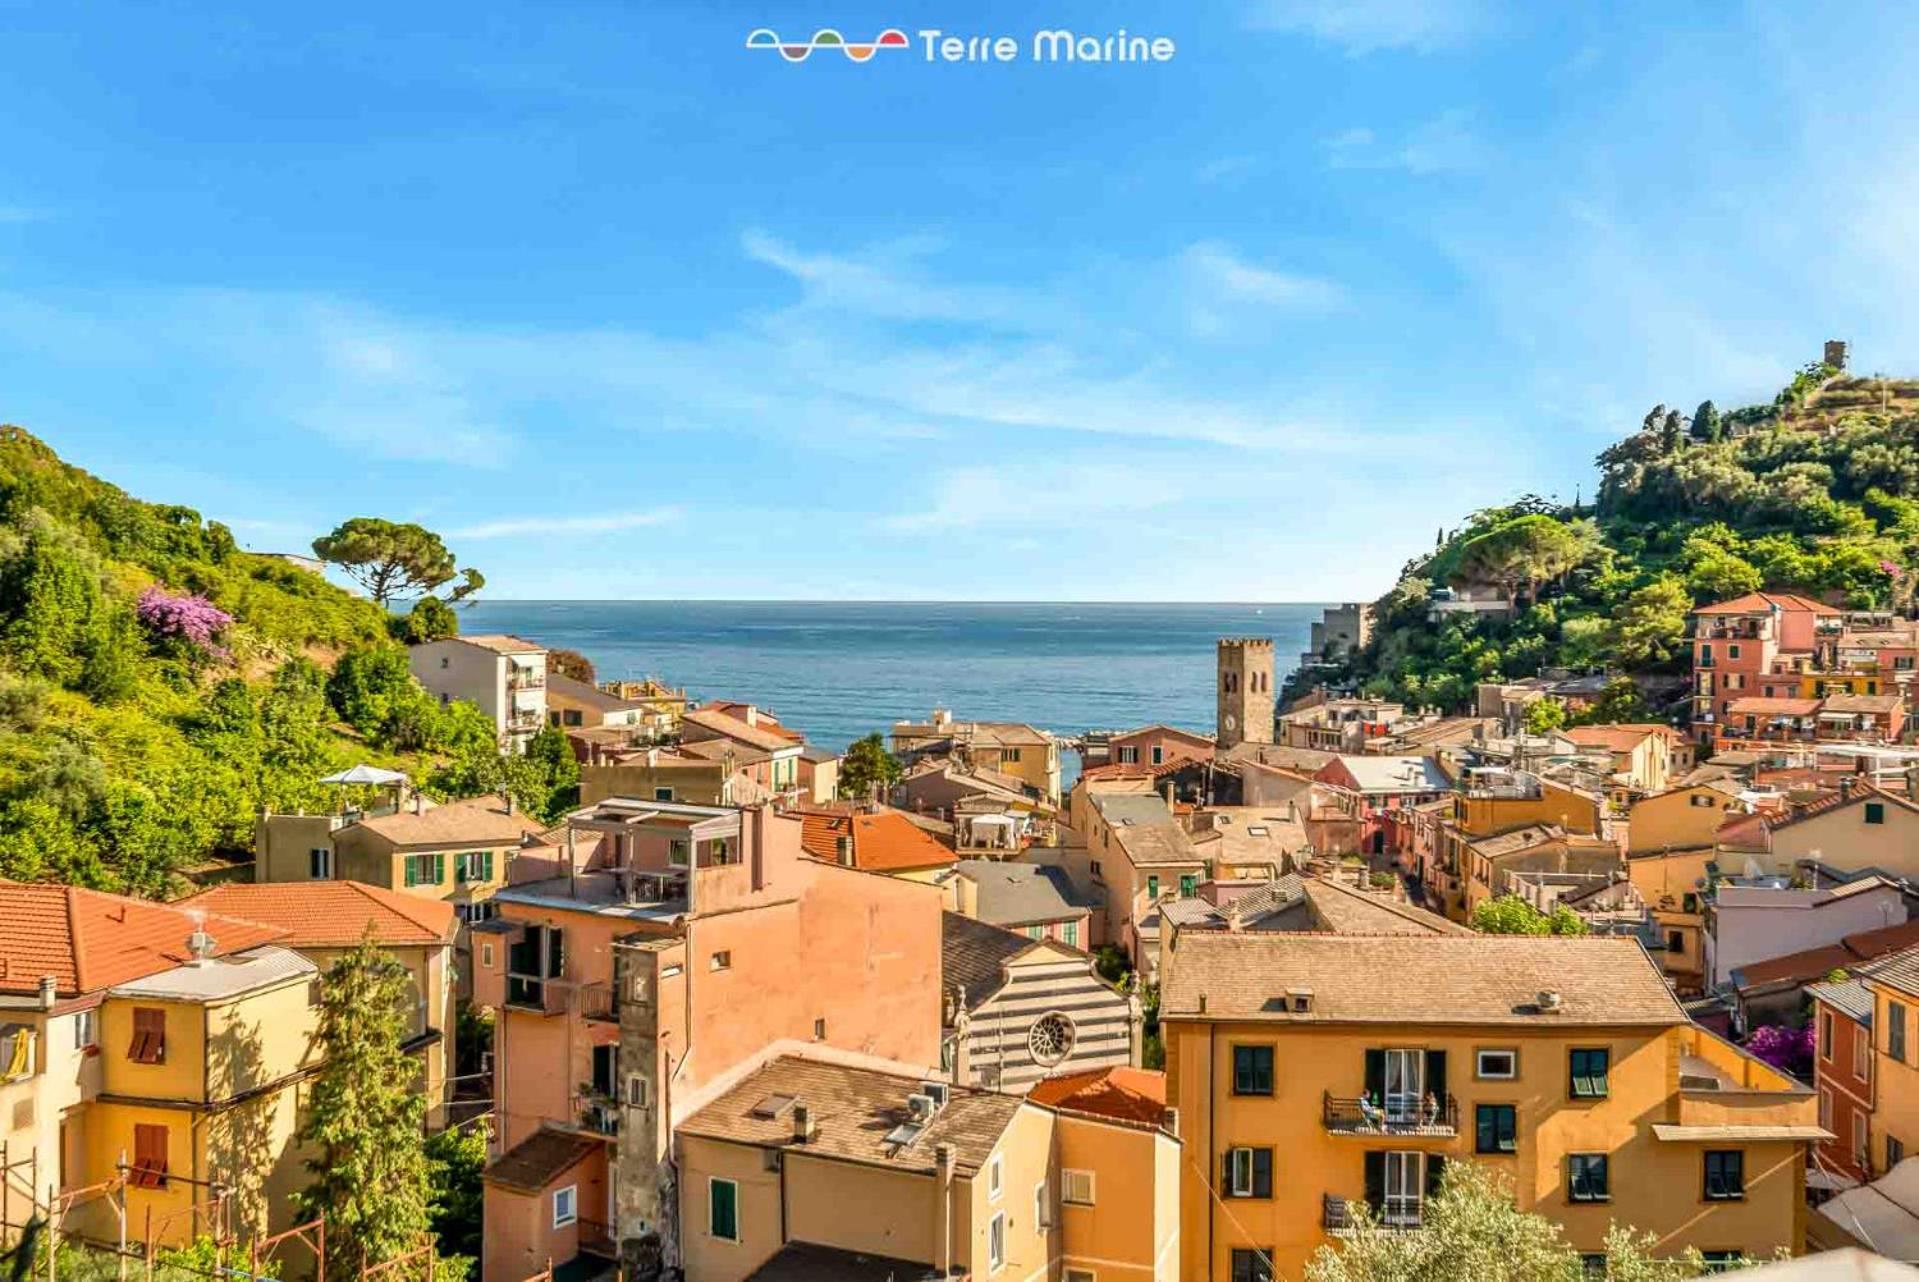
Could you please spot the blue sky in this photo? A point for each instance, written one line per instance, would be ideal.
(627, 310)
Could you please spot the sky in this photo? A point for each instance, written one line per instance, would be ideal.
(626, 309)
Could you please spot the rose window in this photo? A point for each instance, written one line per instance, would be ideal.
(1051, 1039)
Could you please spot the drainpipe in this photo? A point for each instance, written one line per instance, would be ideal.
(943, 1156)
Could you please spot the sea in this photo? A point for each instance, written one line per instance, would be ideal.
(839, 670)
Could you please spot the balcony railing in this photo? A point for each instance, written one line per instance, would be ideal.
(1336, 1214)
(542, 996)
(599, 1113)
(596, 1002)
(526, 681)
(1437, 1117)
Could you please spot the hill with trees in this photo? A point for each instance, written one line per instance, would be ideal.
(160, 686)
(1816, 493)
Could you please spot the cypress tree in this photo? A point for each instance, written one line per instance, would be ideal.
(366, 1117)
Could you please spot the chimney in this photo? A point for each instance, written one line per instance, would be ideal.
(419, 802)
(199, 943)
(506, 799)
(1548, 1000)
(752, 717)
(1845, 788)
(943, 1246)
(47, 991)
(803, 1128)
(843, 849)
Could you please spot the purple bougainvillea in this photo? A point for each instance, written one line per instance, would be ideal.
(192, 619)
(1787, 1049)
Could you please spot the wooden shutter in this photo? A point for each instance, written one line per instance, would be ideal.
(149, 1036)
(1375, 1179)
(1376, 1076)
(149, 1155)
(1262, 1172)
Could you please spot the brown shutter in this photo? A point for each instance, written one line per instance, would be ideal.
(149, 1156)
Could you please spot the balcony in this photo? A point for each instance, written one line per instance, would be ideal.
(1336, 1214)
(599, 1113)
(541, 996)
(1438, 1119)
(519, 679)
(596, 1002)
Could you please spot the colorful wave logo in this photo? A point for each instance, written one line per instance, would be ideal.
(827, 38)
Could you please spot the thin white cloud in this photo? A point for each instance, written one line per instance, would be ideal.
(1447, 143)
(594, 523)
(1367, 26)
(1218, 268)
(16, 214)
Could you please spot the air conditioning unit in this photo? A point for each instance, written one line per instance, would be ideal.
(920, 1106)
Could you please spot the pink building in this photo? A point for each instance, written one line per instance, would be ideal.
(678, 947)
(1155, 745)
(1738, 643)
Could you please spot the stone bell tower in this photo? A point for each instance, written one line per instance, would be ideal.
(1245, 690)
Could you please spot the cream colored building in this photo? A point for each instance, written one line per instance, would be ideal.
(504, 676)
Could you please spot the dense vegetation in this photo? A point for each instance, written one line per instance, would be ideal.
(159, 687)
(1817, 493)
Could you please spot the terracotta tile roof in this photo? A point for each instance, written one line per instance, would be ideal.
(762, 719)
(477, 821)
(1743, 832)
(1160, 727)
(1117, 770)
(883, 841)
(1346, 911)
(714, 721)
(1759, 706)
(1834, 801)
(1870, 704)
(1617, 738)
(1817, 963)
(1123, 1094)
(1763, 602)
(334, 914)
(88, 940)
(541, 1158)
(855, 1110)
(1436, 980)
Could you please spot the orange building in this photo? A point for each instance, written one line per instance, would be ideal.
(680, 948)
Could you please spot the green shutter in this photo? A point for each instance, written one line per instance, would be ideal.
(439, 870)
(486, 866)
(408, 868)
(724, 1206)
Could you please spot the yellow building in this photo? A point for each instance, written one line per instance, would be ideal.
(1642, 755)
(160, 1045)
(1489, 862)
(1674, 882)
(1684, 818)
(1492, 802)
(1314, 1073)
(1014, 748)
(808, 1165)
(1893, 1125)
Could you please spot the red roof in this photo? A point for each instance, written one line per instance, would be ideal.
(1817, 963)
(882, 841)
(1758, 706)
(1763, 603)
(1123, 1094)
(322, 914)
(89, 940)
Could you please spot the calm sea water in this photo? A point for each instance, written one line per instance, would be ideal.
(842, 670)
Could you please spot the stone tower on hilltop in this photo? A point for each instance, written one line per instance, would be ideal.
(1245, 690)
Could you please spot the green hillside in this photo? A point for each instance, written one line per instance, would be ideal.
(1816, 493)
(159, 686)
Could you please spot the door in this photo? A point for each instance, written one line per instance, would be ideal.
(1405, 1084)
(1405, 1185)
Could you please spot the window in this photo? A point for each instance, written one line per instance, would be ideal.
(678, 852)
(149, 1155)
(1592, 1264)
(320, 863)
(1675, 941)
(639, 1091)
(723, 1209)
(1689, 902)
(1825, 1034)
(1586, 1177)
(1070, 933)
(1252, 1070)
(574, 717)
(1159, 755)
(1129, 755)
(1588, 1077)
(1081, 1275)
(994, 1170)
(819, 1030)
(475, 865)
(606, 1070)
(566, 1205)
(1861, 1054)
(1076, 1188)
(1496, 1128)
(1722, 1261)
(477, 910)
(1009, 754)
(1496, 1066)
(149, 1036)
(486, 953)
(996, 1242)
(425, 870)
(1896, 1030)
(1895, 1152)
(1252, 1264)
(722, 960)
(85, 1030)
(1732, 652)
(1825, 1108)
(1188, 885)
(662, 794)
(1875, 812)
(1249, 1172)
(1152, 886)
(1725, 1175)
(1036, 932)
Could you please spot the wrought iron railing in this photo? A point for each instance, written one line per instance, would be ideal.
(1432, 1115)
